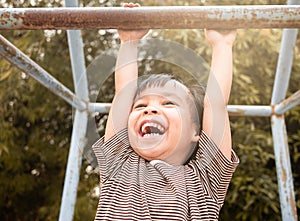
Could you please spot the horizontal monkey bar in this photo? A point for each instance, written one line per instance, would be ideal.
(163, 17)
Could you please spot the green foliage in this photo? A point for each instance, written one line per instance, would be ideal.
(36, 125)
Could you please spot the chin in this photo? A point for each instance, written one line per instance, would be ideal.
(153, 153)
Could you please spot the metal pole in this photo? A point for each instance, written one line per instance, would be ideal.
(73, 167)
(288, 103)
(249, 110)
(284, 65)
(283, 169)
(28, 66)
(234, 110)
(99, 107)
(282, 157)
(78, 140)
(170, 17)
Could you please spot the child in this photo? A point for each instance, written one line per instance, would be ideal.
(155, 163)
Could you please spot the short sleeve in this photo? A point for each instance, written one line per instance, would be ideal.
(112, 153)
(214, 169)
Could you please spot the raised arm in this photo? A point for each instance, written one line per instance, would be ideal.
(126, 74)
(215, 117)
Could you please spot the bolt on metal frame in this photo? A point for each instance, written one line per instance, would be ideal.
(157, 17)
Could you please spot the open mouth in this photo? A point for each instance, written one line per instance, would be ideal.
(150, 129)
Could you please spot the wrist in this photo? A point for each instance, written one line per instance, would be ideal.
(129, 46)
(130, 42)
(127, 53)
(222, 46)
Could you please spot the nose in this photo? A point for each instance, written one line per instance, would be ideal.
(151, 110)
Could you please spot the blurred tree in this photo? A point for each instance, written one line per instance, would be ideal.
(36, 125)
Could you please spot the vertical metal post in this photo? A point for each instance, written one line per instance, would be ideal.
(78, 139)
(283, 168)
(281, 149)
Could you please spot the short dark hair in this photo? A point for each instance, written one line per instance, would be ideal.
(197, 92)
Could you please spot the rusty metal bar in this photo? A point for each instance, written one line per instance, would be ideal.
(281, 148)
(283, 169)
(250, 110)
(288, 103)
(170, 17)
(28, 66)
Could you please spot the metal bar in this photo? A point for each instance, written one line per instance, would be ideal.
(283, 169)
(234, 110)
(99, 107)
(281, 150)
(73, 167)
(80, 124)
(171, 17)
(78, 64)
(28, 66)
(288, 103)
(284, 65)
(249, 110)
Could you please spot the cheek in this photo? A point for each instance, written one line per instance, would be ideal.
(131, 124)
(176, 116)
(176, 121)
(180, 121)
(133, 116)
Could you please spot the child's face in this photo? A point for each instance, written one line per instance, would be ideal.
(160, 124)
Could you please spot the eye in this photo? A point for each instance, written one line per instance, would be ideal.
(138, 106)
(169, 103)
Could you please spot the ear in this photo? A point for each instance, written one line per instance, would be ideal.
(196, 137)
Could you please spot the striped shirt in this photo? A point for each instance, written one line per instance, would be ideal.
(133, 188)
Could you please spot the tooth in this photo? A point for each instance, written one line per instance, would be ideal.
(144, 126)
(160, 128)
(151, 135)
(152, 124)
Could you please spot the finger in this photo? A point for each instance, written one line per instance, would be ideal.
(128, 5)
(132, 5)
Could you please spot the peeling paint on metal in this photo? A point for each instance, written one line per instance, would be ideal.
(283, 168)
(170, 17)
(11, 19)
(288, 103)
(283, 174)
(248, 110)
(293, 203)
